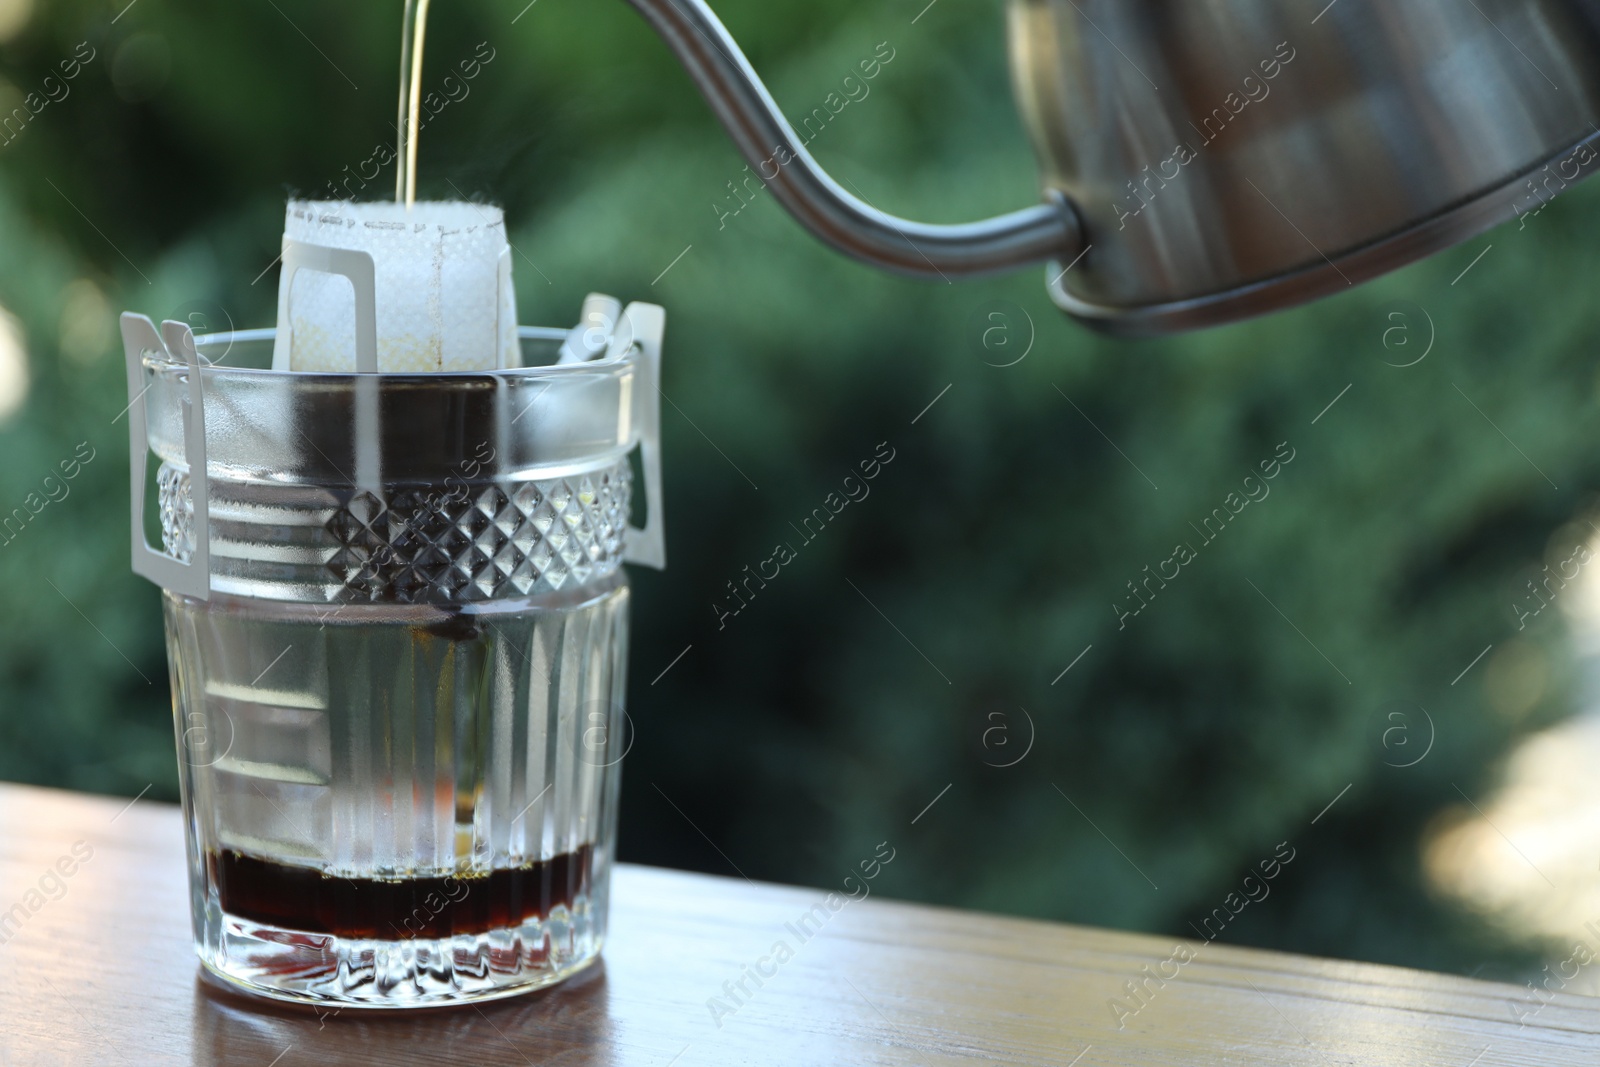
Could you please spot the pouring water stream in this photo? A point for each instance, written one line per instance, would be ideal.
(412, 38)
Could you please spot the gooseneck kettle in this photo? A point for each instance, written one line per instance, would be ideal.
(1204, 161)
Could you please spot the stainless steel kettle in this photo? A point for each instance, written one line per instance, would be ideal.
(1210, 160)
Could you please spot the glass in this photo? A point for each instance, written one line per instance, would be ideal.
(399, 712)
(399, 804)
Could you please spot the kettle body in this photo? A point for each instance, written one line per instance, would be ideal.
(1227, 159)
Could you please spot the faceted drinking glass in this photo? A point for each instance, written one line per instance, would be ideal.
(400, 708)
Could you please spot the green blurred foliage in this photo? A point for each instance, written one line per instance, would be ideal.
(826, 715)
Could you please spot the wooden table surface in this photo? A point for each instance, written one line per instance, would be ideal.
(101, 972)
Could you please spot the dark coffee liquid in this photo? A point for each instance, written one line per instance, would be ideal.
(305, 899)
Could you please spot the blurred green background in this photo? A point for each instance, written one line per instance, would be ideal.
(877, 669)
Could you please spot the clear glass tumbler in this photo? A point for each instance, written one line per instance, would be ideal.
(399, 695)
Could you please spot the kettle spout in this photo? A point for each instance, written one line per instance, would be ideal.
(1047, 231)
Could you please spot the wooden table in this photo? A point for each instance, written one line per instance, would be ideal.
(103, 973)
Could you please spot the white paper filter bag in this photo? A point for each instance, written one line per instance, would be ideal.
(442, 288)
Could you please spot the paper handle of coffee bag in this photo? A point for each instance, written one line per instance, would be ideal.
(357, 268)
(175, 342)
(644, 325)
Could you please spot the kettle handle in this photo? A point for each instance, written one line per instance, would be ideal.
(766, 139)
